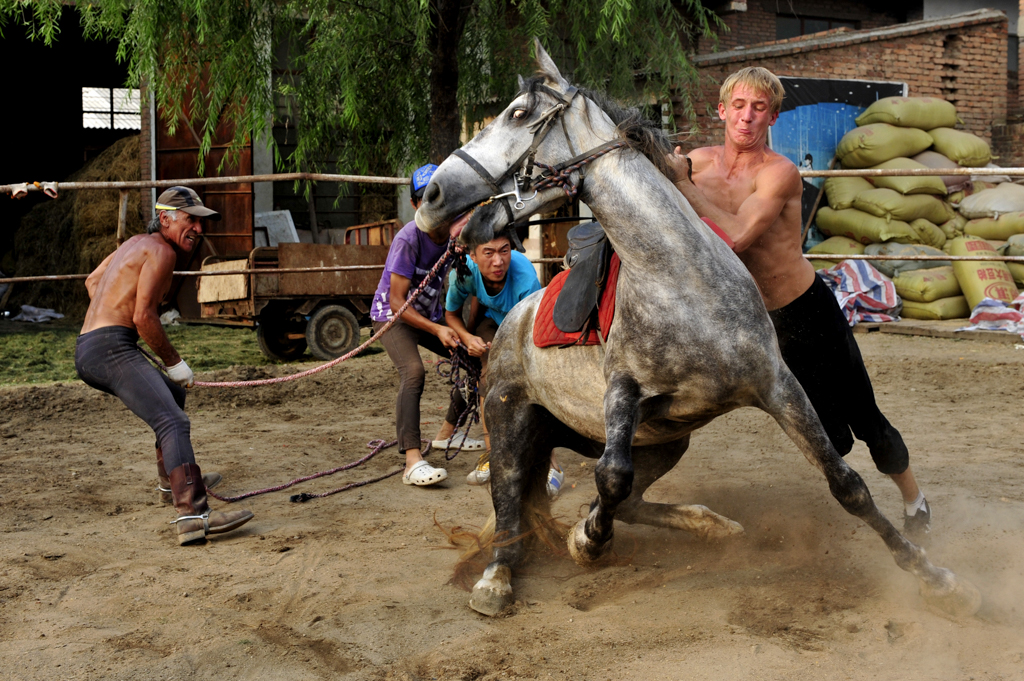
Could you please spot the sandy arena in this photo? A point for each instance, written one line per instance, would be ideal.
(355, 586)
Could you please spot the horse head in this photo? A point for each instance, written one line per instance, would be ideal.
(495, 178)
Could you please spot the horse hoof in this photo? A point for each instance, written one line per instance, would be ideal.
(493, 593)
(582, 550)
(729, 528)
(715, 527)
(957, 598)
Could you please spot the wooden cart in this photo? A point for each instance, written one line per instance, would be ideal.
(292, 311)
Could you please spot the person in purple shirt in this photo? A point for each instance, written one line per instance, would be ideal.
(412, 255)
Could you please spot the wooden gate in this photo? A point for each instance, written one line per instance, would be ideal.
(177, 157)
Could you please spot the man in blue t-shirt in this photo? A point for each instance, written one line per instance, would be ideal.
(498, 278)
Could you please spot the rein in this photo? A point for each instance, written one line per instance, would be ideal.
(521, 170)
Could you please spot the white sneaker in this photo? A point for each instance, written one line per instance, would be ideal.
(555, 479)
(480, 475)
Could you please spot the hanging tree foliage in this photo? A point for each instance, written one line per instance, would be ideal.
(375, 85)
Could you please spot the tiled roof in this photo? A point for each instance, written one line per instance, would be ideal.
(844, 37)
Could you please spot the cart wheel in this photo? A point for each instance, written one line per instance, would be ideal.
(280, 339)
(332, 331)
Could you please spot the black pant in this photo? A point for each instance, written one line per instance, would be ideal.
(109, 359)
(402, 343)
(820, 350)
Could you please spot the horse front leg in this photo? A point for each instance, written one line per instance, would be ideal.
(517, 438)
(940, 587)
(591, 537)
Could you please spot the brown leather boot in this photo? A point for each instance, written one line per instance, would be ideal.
(211, 480)
(195, 519)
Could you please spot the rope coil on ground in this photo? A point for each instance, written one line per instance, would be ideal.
(376, 446)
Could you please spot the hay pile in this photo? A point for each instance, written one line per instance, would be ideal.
(73, 233)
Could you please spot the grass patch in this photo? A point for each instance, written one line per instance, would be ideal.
(40, 353)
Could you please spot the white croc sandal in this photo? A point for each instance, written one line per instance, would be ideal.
(459, 443)
(423, 474)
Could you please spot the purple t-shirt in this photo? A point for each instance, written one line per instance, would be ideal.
(412, 255)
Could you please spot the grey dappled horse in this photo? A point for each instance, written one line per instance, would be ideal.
(691, 340)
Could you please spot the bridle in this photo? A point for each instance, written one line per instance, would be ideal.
(521, 170)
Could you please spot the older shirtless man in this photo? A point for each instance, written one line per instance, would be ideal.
(125, 291)
(753, 194)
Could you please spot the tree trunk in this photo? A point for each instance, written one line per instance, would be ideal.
(449, 21)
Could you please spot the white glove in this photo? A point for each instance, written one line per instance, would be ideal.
(181, 374)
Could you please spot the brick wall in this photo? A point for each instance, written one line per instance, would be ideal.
(1019, 108)
(757, 24)
(1008, 145)
(961, 61)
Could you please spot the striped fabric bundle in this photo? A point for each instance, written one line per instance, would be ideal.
(864, 294)
(996, 315)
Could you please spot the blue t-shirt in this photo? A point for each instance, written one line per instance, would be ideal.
(520, 282)
(412, 255)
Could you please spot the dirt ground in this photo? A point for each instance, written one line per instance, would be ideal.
(355, 586)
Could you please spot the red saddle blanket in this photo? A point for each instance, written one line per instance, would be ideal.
(546, 334)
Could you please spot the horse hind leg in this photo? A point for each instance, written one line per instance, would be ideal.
(520, 450)
(651, 463)
(792, 410)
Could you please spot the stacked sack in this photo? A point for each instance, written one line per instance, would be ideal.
(922, 215)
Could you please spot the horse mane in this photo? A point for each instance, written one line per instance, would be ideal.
(643, 135)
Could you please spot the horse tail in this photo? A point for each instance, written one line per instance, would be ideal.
(541, 531)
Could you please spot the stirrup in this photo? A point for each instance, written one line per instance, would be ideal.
(204, 517)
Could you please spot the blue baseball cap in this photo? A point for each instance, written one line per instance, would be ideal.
(421, 178)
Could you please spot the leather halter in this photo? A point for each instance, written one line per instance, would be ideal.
(521, 170)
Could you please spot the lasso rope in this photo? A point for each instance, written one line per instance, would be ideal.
(334, 362)
(459, 363)
(376, 446)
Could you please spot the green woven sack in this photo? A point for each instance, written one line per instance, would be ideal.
(916, 184)
(863, 227)
(927, 285)
(929, 234)
(955, 307)
(1000, 228)
(911, 112)
(963, 147)
(834, 245)
(841, 191)
(891, 205)
(873, 144)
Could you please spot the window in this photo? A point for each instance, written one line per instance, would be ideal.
(787, 26)
(111, 108)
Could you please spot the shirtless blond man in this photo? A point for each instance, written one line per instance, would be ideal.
(753, 194)
(125, 291)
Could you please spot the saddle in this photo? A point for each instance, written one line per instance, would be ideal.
(587, 260)
(579, 303)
